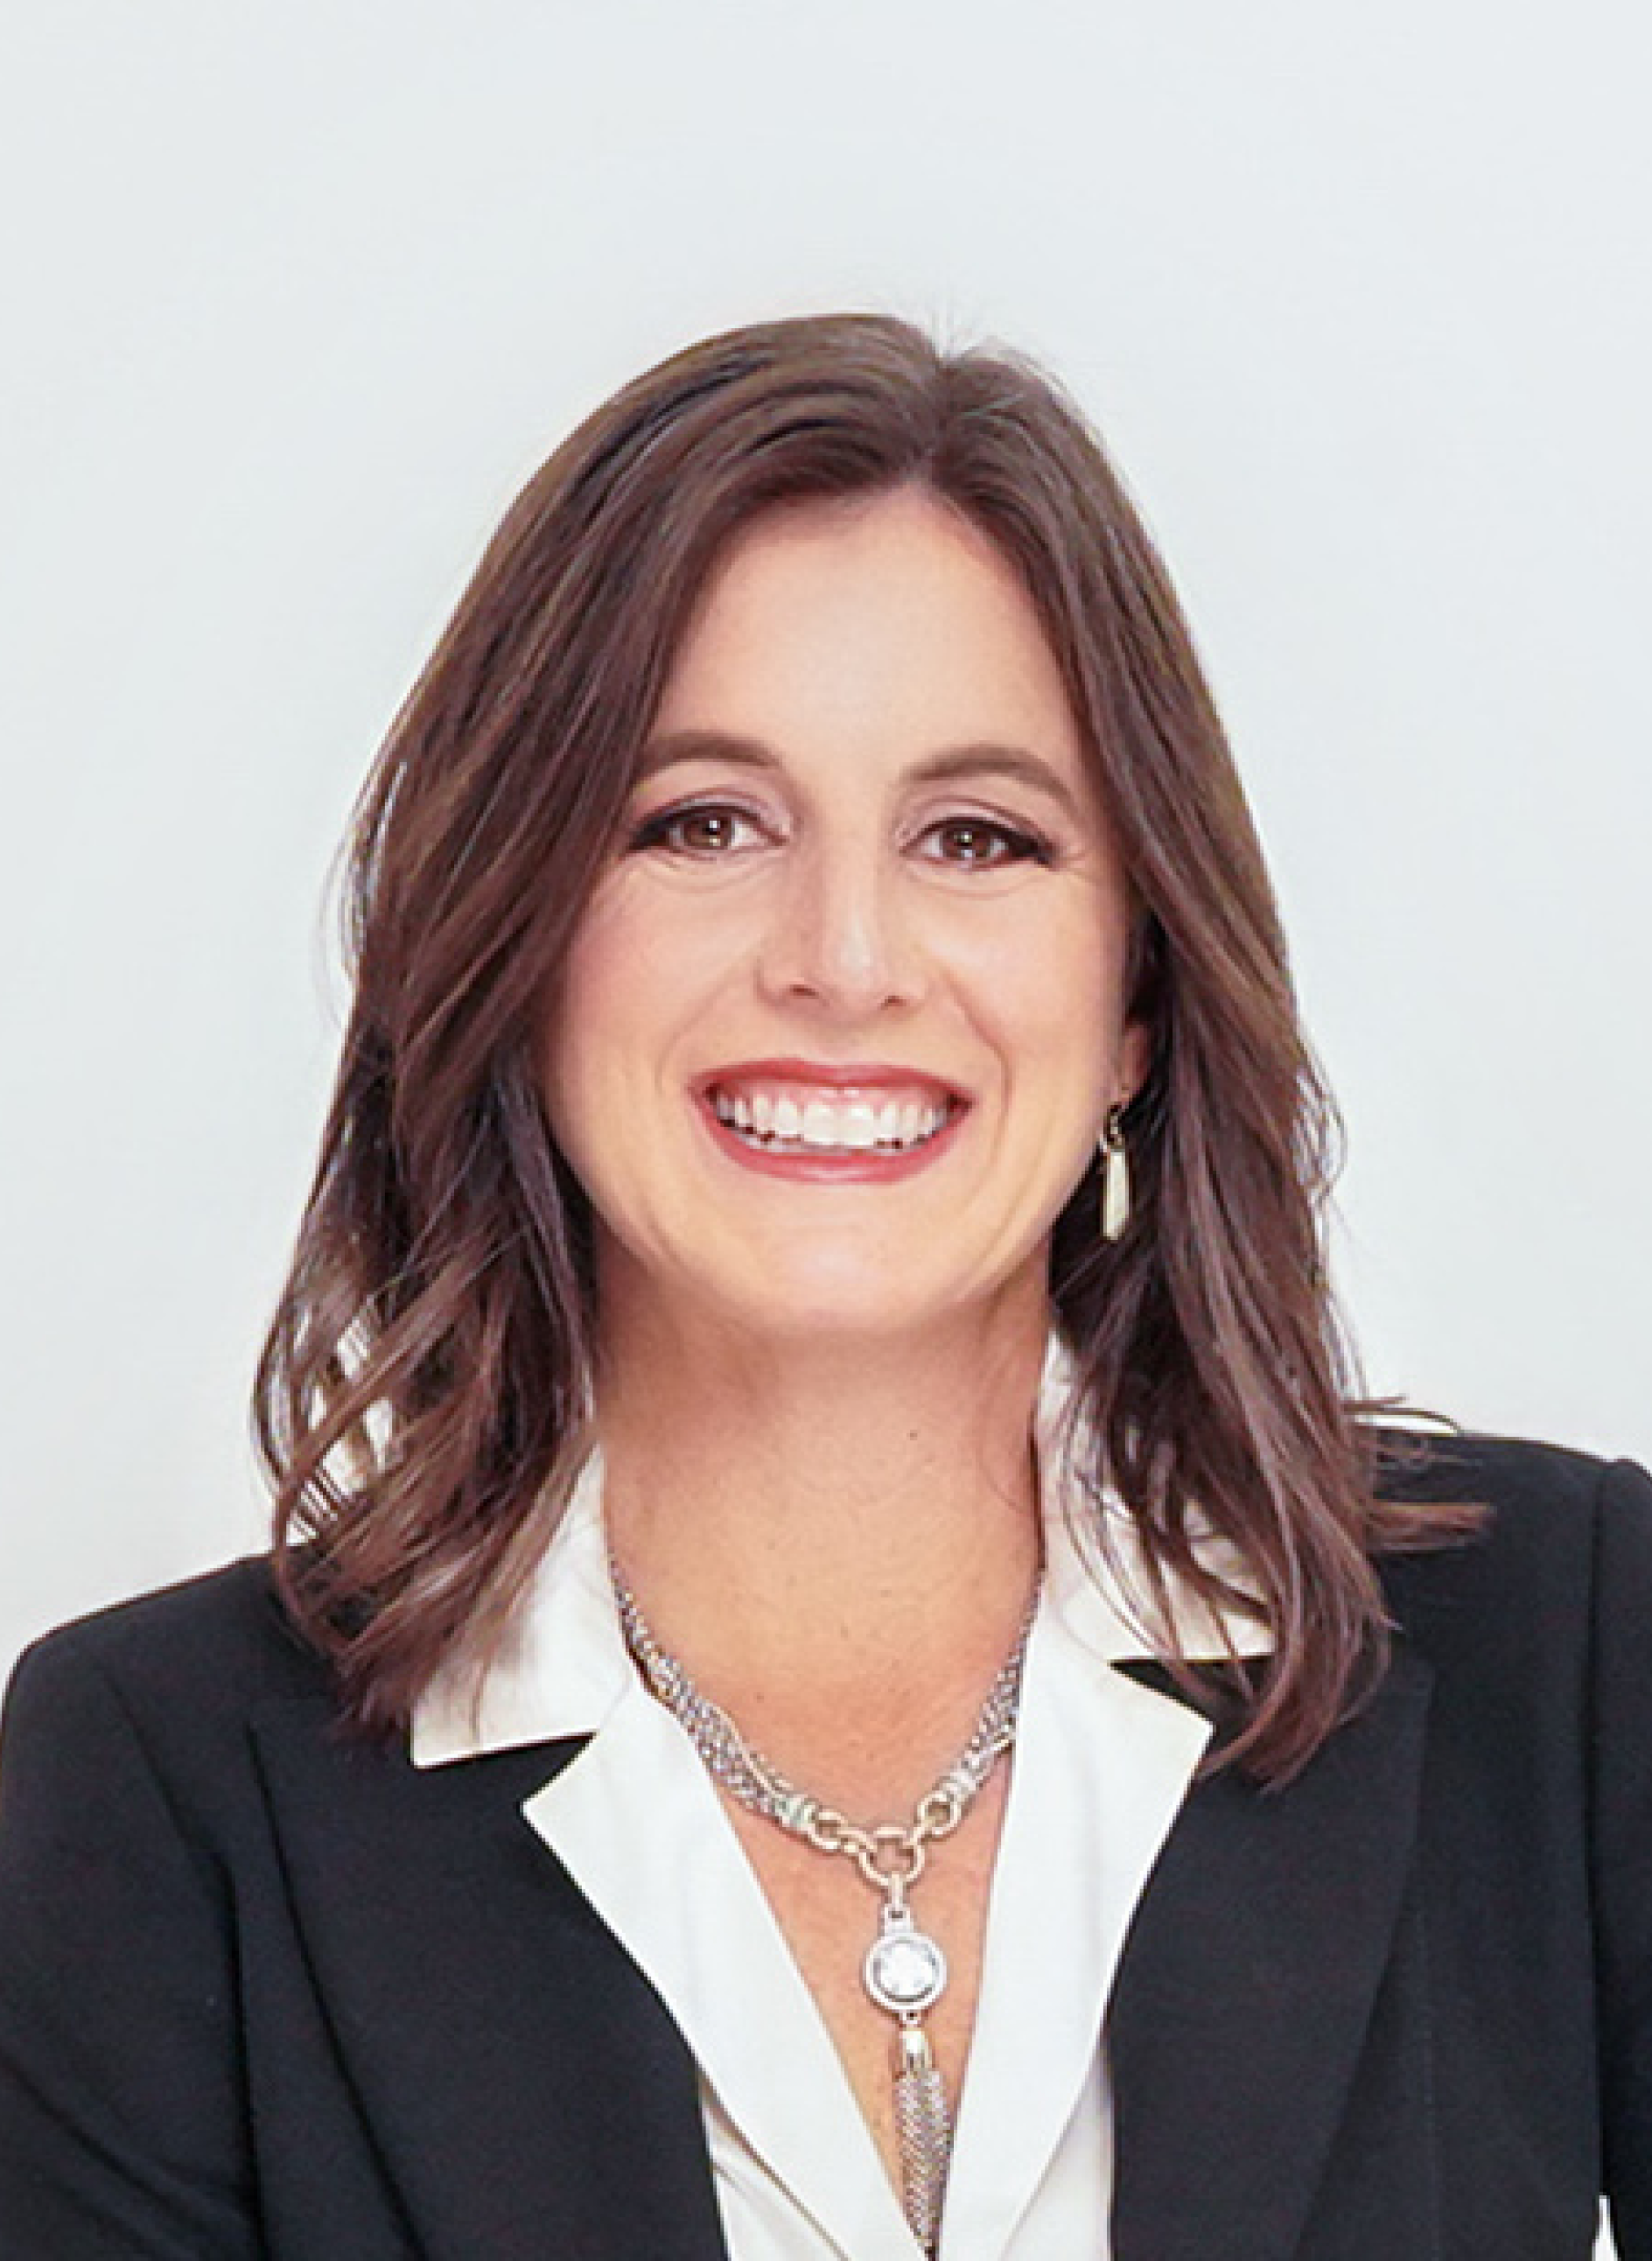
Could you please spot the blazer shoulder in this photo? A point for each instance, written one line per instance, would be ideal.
(1565, 1536)
(1452, 1464)
(206, 1648)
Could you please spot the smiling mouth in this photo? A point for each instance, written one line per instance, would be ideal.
(782, 1125)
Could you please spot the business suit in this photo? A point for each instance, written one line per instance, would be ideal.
(264, 1991)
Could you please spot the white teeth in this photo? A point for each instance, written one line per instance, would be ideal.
(851, 1125)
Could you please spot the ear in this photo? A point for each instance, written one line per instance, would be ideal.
(1135, 1058)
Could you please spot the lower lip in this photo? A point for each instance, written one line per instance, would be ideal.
(852, 1166)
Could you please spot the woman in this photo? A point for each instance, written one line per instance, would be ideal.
(842, 1673)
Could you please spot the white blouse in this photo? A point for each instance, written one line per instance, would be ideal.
(1100, 1767)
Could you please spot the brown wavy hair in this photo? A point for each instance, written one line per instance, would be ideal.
(424, 1397)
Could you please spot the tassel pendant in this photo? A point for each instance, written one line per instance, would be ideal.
(925, 2128)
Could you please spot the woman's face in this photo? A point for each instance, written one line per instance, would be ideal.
(844, 1015)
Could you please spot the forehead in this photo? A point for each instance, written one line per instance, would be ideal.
(890, 615)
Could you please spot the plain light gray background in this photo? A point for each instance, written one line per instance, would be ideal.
(297, 294)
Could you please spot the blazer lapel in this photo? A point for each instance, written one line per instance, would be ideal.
(529, 2093)
(1247, 1984)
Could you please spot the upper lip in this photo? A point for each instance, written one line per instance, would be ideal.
(857, 1075)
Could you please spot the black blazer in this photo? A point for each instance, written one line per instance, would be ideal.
(265, 1992)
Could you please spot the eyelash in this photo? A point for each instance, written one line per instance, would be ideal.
(1023, 844)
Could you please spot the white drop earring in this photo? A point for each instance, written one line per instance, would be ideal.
(1115, 1176)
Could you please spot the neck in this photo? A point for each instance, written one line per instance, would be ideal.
(815, 1528)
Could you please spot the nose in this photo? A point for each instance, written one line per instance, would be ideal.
(841, 933)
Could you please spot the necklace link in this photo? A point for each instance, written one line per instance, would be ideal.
(825, 1828)
(941, 1809)
(871, 1858)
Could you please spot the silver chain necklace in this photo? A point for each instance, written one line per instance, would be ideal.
(904, 1970)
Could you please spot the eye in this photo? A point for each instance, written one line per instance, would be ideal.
(702, 828)
(972, 842)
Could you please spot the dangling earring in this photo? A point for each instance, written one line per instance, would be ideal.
(1115, 1176)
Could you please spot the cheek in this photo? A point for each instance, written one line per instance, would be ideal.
(589, 1001)
(1057, 991)
(637, 977)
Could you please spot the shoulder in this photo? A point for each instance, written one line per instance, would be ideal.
(225, 1628)
(183, 1667)
(1562, 1555)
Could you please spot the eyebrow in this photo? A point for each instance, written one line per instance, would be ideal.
(983, 760)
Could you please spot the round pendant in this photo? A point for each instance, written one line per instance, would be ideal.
(905, 1970)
